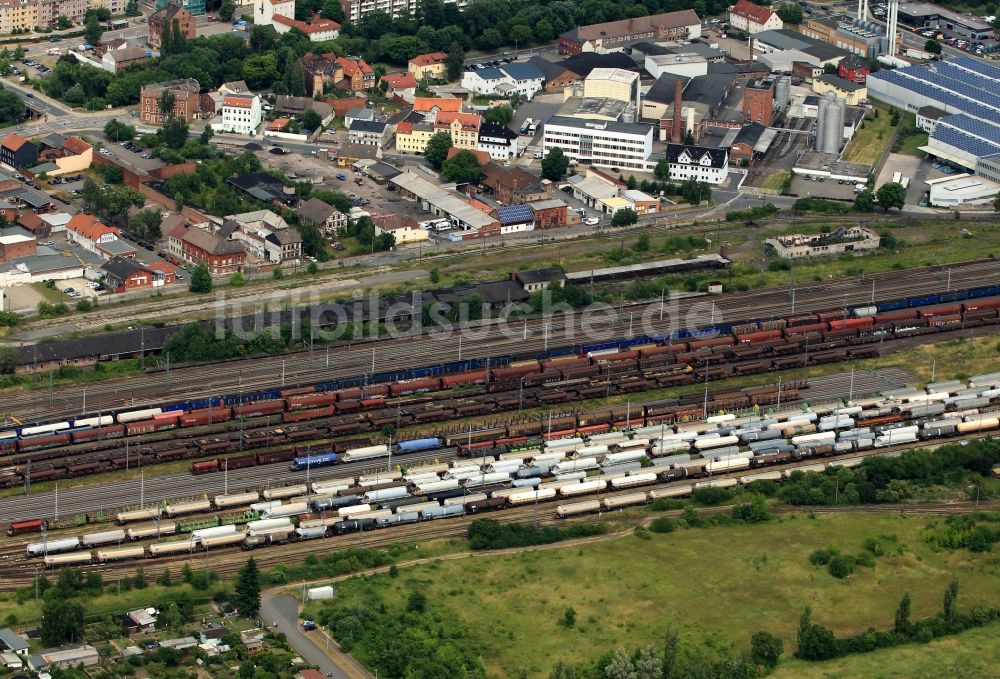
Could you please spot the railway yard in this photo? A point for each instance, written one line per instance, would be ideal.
(548, 421)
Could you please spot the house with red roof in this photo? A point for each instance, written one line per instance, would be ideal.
(316, 29)
(431, 104)
(94, 236)
(752, 18)
(241, 113)
(400, 83)
(62, 155)
(358, 75)
(17, 152)
(430, 65)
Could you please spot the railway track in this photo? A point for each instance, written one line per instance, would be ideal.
(17, 571)
(517, 337)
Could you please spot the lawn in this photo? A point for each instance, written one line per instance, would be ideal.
(912, 143)
(870, 140)
(970, 654)
(774, 181)
(722, 584)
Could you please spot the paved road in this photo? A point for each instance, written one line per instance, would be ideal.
(284, 611)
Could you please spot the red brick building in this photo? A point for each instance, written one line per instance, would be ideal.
(758, 101)
(121, 275)
(171, 15)
(550, 213)
(186, 100)
(16, 243)
(853, 68)
(220, 255)
(680, 25)
(358, 75)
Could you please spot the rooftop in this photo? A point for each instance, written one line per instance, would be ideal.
(618, 75)
(841, 84)
(786, 39)
(604, 126)
(636, 26)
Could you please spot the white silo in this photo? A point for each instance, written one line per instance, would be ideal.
(783, 91)
(821, 122)
(833, 127)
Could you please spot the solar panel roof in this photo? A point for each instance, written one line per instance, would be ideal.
(513, 214)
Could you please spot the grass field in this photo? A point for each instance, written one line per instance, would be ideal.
(868, 143)
(912, 143)
(970, 654)
(717, 584)
(774, 181)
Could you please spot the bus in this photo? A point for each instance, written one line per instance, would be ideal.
(117, 24)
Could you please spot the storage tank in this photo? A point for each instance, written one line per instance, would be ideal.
(833, 130)
(821, 115)
(783, 90)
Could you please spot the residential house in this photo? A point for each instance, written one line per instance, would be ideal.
(400, 84)
(316, 29)
(234, 87)
(499, 141)
(265, 235)
(89, 233)
(63, 155)
(174, 15)
(463, 128)
(241, 113)
(363, 113)
(344, 104)
(122, 275)
(525, 79)
(298, 105)
(700, 163)
(116, 61)
(220, 255)
(369, 133)
(752, 18)
(358, 75)
(349, 153)
(533, 280)
(431, 65)
(266, 10)
(17, 152)
(320, 71)
(434, 105)
(328, 218)
(405, 230)
(139, 621)
(512, 185)
(64, 658)
(186, 100)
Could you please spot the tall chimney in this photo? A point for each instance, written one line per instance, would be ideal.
(675, 130)
(751, 56)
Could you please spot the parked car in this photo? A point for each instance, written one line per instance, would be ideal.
(591, 221)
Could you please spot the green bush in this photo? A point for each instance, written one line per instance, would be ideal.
(842, 565)
(662, 524)
(821, 557)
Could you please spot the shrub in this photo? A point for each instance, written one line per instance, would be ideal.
(842, 565)
(662, 524)
(821, 557)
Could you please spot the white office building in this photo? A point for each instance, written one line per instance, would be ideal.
(697, 162)
(499, 141)
(601, 143)
(241, 113)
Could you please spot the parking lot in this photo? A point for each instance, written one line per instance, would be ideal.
(827, 188)
(137, 159)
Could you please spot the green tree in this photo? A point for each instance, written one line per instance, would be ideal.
(201, 280)
(790, 13)
(455, 61)
(247, 594)
(520, 34)
(313, 268)
(462, 168)
(891, 195)
(933, 46)
(118, 131)
(569, 617)
(237, 280)
(8, 359)
(555, 164)
(766, 649)
(815, 642)
(92, 30)
(416, 602)
(145, 224)
(206, 135)
(63, 22)
(12, 107)
(671, 649)
(311, 120)
(437, 149)
(332, 9)
(501, 115)
(166, 103)
(227, 10)
(951, 600)
(902, 624)
(277, 274)
(624, 217)
(139, 581)
(662, 169)
(174, 132)
(865, 201)
(62, 621)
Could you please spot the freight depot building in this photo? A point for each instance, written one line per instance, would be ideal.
(967, 90)
(920, 15)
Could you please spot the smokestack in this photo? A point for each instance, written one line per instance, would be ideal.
(750, 64)
(675, 130)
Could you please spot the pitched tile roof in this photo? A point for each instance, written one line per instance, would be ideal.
(751, 11)
(76, 146)
(469, 121)
(13, 141)
(427, 104)
(89, 226)
(399, 81)
(428, 59)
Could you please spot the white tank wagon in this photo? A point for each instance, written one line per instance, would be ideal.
(353, 509)
(716, 442)
(578, 508)
(417, 507)
(671, 491)
(380, 477)
(550, 459)
(972, 425)
(442, 512)
(524, 497)
(333, 485)
(374, 515)
(235, 500)
(214, 531)
(897, 436)
(635, 480)
(564, 444)
(569, 476)
(310, 532)
(621, 469)
(486, 479)
(623, 501)
(175, 547)
(761, 476)
(264, 524)
(581, 464)
(284, 492)
(613, 438)
(193, 507)
(582, 488)
(421, 479)
(386, 494)
(818, 439)
(151, 530)
(727, 452)
(137, 515)
(436, 486)
(134, 552)
(833, 423)
(365, 453)
(729, 464)
(717, 483)
(109, 537)
(521, 455)
(436, 468)
(462, 473)
(507, 492)
(591, 451)
(52, 546)
(626, 456)
(102, 421)
(261, 507)
(139, 415)
(852, 462)
(60, 560)
(505, 467)
(221, 541)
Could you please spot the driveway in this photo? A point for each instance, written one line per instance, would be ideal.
(284, 610)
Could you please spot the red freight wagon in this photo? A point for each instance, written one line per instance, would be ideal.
(309, 401)
(827, 316)
(259, 408)
(308, 414)
(945, 320)
(620, 357)
(40, 442)
(205, 467)
(26, 526)
(8, 446)
(297, 391)
(984, 303)
(847, 323)
(805, 329)
(901, 315)
(758, 337)
(472, 377)
(675, 348)
(515, 372)
(110, 432)
(196, 418)
(723, 341)
(413, 386)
